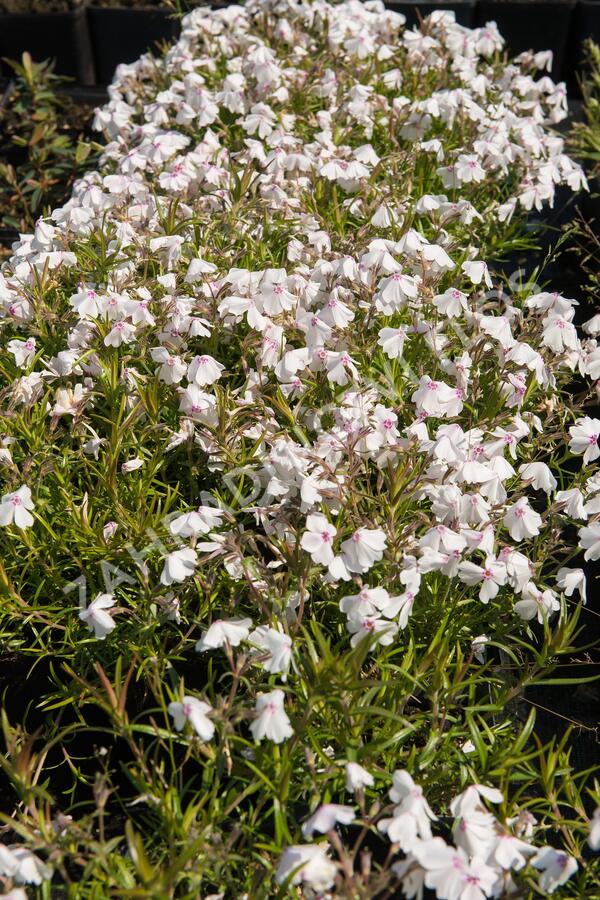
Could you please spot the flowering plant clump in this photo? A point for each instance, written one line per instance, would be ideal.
(293, 483)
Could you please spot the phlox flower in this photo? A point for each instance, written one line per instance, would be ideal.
(68, 401)
(96, 616)
(204, 370)
(121, 333)
(307, 864)
(536, 603)
(522, 521)
(412, 814)
(589, 540)
(361, 626)
(23, 352)
(363, 549)
(357, 778)
(559, 334)
(540, 477)
(199, 521)
(278, 647)
(468, 169)
(222, 631)
(450, 873)
(198, 405)
(14, 507)
(194, 711)
(132, 465)
(369, 601)
(271, 721)
(556, 868)
(178, 566)
(172, 369)
(23, 866)
(392, 341)
(584, 438)
(571, 580)
(510, 852)
(451, 303)
(433, 397)
(318, 539)
(492, 576)
(477, 271)
(326, 817)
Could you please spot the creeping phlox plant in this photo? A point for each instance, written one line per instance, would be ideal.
(292, 482)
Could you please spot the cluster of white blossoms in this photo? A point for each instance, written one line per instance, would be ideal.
(479, 863)
(277, 281)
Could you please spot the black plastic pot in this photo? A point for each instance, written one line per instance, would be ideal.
(414, 10)
(121, 35)
(531, 25)
(62, 36)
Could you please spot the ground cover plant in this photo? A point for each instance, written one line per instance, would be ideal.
(296, 491)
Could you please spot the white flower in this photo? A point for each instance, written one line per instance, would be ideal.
(556, 868)
(309, 864)
(326, 817)
(584, 438)
(196, 713)
(120, 333)
(178, 566)
(571, 580)
(412, 814)
(536, 603)
(132, 465)
(318, 539)
(31, 869)
(204, 370)
(589, 540)
(9, 864)
(363, 549)
(451, 303)
(271, 721)
(357, 778)
(451, 874)
(15, 508)
(232, 631)
(491, 576)
(98, 619)
(361, 626)
(433, 397)
(200, 521)
(23, 352)
(277, 644)
(392, 340)
(522, 521)
(510, 852)
(477, 271)
(68, 401)
(559, 334)
(539, 475)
